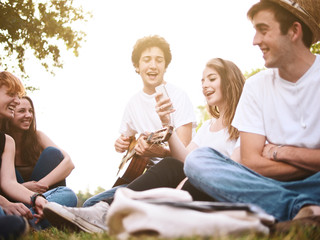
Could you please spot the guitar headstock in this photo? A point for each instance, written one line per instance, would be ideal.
(160, 136)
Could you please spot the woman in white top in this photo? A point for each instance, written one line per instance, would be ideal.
(222, 84)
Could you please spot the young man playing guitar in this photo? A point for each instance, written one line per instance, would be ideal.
(151, 56)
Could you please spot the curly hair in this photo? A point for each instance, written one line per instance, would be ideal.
(232, 81)
(148, 42)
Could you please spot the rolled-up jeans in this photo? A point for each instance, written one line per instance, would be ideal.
(62, 195)
(228, 181)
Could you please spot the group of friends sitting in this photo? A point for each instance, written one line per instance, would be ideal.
(261, 146)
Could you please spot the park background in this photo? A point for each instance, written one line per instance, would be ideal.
(80, 107)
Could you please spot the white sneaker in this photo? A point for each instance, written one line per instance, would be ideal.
(88, 219)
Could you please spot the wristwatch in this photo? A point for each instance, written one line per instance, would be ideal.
(34, 197)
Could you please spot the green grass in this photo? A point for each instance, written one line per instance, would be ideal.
(298, 233)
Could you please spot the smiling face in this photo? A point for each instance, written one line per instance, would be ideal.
(211, 87)
(274, 45)
(23, 115)
(8, 102)
(151, 68)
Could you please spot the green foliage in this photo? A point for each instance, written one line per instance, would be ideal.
(83, 196)
(315, 48)
(253, 72)
(40, 26)
(204, 115)
(98, 190)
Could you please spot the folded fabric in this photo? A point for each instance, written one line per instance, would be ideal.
(171, 213)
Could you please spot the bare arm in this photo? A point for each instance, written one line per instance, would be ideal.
(8, 180)
(180, 141)
(184, 134)
(304, 158)
(18, 209)
(62, 170)
(178, 149)
(252, 147)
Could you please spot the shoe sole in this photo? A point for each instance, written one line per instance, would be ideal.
(63, 219)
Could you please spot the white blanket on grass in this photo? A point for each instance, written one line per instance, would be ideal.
(133, 213)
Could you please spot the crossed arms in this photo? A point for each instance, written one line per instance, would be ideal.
(291, 163)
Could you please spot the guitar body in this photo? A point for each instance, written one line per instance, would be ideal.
(138, 164)
(135, 168)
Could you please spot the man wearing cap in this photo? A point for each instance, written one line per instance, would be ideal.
(278, 119)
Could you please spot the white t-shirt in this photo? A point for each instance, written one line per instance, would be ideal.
(140, 114)
(286, 113)
(216, 140)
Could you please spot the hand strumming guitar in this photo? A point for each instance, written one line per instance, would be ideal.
(122, 144)
(145, 149)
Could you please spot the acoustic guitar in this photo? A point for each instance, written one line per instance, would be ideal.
(134, 164)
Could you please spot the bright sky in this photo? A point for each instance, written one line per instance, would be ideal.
(81, 107)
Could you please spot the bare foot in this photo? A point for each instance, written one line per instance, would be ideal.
(308, 211)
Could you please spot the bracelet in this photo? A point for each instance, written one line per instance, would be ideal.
(275, 153)
(34, 197)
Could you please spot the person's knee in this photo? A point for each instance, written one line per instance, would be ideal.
(51, 154)
(192, 162)
(198, 160)
(62, 195)
(90, 202)
(72, 197)
(195, 157)
(51, 150)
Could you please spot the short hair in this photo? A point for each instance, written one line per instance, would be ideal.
(149, 42)
(12, 82)
(232, 81)
(284, 17)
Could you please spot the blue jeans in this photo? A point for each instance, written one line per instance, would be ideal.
(102, 196)
(49, 159)
(11, 227)
(229, 181)
(62, 195)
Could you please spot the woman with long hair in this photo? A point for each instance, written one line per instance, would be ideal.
(40, 164)
(222, 84)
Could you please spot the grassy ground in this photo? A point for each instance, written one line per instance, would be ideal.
(300, 233)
